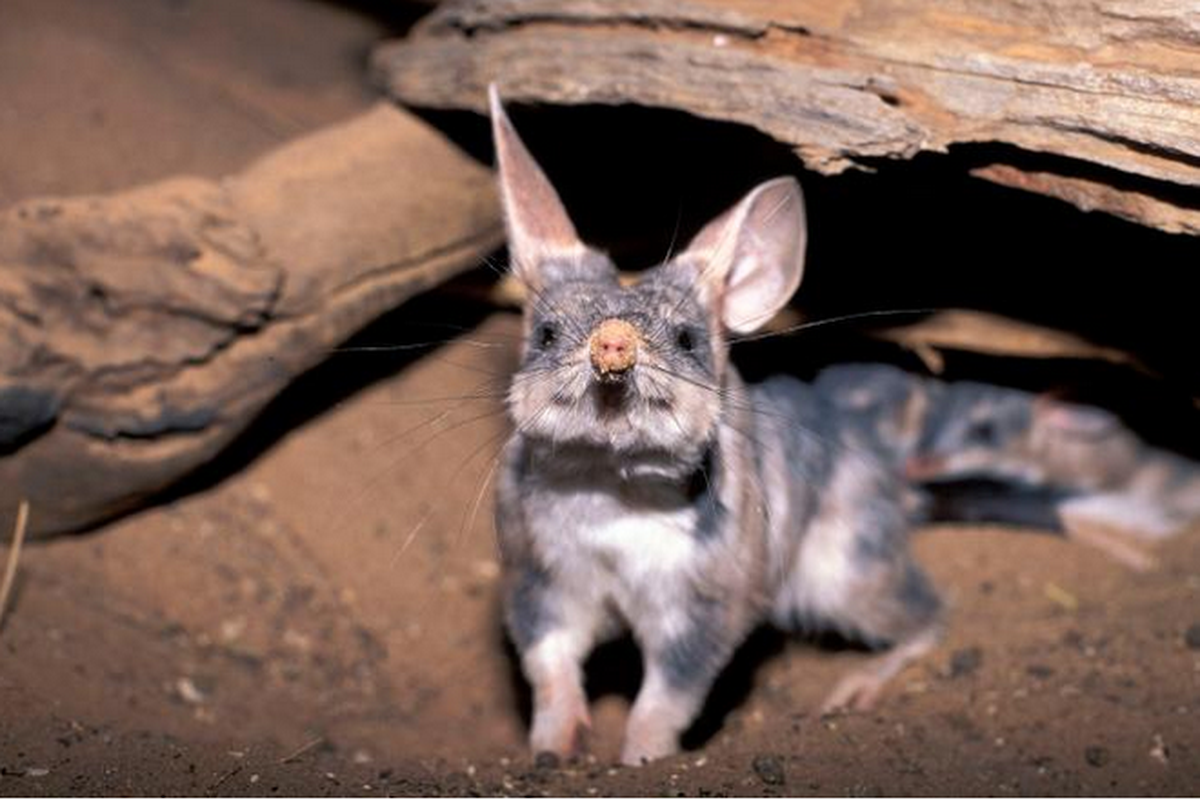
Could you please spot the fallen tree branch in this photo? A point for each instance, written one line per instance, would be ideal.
(1107, 90)
(141, 332)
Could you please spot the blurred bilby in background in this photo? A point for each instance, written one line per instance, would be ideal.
(1002, 454)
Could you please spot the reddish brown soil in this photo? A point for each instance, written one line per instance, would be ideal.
(322, 618)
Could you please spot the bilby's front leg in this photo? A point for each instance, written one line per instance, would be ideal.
(660, 715)
(553, 629)
(679, 672)
(554, 669)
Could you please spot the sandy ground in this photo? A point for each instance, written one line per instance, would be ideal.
(319, 616)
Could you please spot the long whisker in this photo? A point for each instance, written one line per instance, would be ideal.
(395, 348)
(469, 519)
(744, 402)
(487, 479)
(499, 409)
(460, 398)
(537, 297)
(674, 234)
(408, 540)
(821, 323)
(471, 512)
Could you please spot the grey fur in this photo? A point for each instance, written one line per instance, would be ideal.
(885, 408)
(835, 494)
(527, 612)
(710, 512)
(976, 415)
(699, 653)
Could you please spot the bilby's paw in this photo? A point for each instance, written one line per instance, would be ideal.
(858, 691)
(643, 746)
(561, 732)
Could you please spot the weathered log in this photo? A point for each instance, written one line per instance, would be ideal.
(1097, 101)
(141, 332)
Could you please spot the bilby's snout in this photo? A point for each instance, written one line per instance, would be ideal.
(923, 467)
(614, 348)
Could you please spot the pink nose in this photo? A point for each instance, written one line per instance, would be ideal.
(922, 467)
(613, 346)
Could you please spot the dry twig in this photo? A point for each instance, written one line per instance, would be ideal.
(301, 750)
(14, 554)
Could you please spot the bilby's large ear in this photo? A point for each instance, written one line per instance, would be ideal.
(752, 257)
(538, 225)
(1072, 419)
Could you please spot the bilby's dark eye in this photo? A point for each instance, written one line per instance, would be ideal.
(545, 335)
(983, 433)
(684, 340)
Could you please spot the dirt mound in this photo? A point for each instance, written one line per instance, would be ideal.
(317, 614)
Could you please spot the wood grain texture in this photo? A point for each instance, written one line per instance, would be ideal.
(141, 332)
(1108, 90)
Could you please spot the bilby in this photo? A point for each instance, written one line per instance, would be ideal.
(647, 488)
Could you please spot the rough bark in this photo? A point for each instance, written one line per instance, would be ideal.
(1106, 92)
(141, 332)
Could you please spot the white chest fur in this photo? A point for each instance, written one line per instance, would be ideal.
(634, 555)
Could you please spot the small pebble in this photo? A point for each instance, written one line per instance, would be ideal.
(37, 772)
(231, 629)
(486, 570)
(188, 691)
(1191, 637)
(1060, 596)
(1160, 752)
(1096, 756)
(1039, 671)
(769, 770)
(964, 662)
